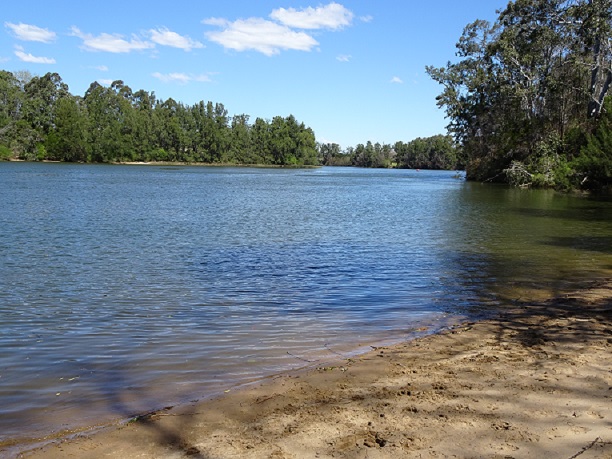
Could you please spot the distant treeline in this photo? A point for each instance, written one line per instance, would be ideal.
(438, 152)
(41, 120)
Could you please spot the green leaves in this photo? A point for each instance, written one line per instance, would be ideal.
(437, 152)
(40, 119)
(541, 71)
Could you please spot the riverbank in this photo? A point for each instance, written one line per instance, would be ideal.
(221, 164)
(536, 381)
(177, 163)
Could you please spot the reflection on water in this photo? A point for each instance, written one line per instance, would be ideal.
(124, 289)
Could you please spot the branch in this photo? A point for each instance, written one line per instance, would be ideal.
(586, 448)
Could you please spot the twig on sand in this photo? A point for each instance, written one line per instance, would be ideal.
(586, 448)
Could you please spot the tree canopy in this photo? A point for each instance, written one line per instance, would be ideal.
(438, 152)
(41, 120)
(527, 95)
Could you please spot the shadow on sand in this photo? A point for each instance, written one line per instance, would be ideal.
(520, 380)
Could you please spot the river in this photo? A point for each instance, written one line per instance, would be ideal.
(129, 288)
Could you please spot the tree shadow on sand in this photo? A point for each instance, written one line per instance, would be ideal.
(519, 384)
(113, 384)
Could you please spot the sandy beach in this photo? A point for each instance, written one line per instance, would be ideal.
(535, 381)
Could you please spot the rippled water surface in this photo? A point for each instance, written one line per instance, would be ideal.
(128, 288)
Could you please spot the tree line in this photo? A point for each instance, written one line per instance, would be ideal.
(41, 120)
(527, 97)
(438, 152)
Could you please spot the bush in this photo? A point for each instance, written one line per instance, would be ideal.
(5, 153)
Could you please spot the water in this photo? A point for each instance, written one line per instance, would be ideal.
(128, 288)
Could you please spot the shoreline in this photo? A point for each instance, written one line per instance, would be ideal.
(533, 381)
(171, 163)
(326, 358)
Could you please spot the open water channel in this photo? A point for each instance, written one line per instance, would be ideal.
(129, 288)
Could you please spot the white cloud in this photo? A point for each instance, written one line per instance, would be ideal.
(101, 68)
(366, 19)
(28, 32)
(181, 78)
(333, 16)
(105, 82)
(26, 57)
(344, 58)
(396, 79)
(165, 37)
(111, 43)
(258, 34)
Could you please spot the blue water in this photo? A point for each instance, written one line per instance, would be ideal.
(128, 288)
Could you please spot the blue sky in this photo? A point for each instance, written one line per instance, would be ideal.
(352, 70)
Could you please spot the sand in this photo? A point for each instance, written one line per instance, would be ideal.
(536, 382)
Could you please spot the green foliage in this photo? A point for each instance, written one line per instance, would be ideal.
(437, 152)
(373, 155)
(5, 153)
(68, 141)
(593, 166)
(329, 154)
(22, 139)
(41, 152)
(528, 90)
(41, 120)
(539, 169)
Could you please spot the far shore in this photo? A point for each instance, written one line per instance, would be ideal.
(535, 381)
(179, 163)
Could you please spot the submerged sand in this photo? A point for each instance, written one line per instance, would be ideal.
(536, 381)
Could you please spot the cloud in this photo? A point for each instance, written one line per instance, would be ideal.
(105, 82)
(26, 57)
(111, 43)
(181, 78)
(258, 34)
(101, 68)
(271, 36)
(333, 16)
(396, 79)
(28, 32)
(366, 19)
(343, 58)
(165, 37)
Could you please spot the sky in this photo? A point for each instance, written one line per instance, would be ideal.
(353, 71)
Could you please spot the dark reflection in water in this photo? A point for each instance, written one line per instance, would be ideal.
(590, 243)
(125, 289)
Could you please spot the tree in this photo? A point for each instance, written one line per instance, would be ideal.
(594, 164)
(143, 104)
(329, 153)
(11, 103)
(240, 150)
(170, 135)
(40, 119)
(593, 24)
(68, 140)
(260, 140)
(436, 152)
(108, 112)
(41, 97)
(526, 88)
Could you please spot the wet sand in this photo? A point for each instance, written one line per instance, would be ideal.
(535, 381)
